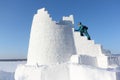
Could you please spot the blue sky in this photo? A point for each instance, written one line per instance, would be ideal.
(101, 16)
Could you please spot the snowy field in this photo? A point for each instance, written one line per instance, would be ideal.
(7, 69)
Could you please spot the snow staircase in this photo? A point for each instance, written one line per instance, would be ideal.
(86, 47)
(87, 52)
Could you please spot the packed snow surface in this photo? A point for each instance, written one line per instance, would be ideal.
(64, 72)
(6, 75)
(52, 72)
(10, 66)
(7, 69)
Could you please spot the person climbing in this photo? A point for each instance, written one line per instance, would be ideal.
(83, 30)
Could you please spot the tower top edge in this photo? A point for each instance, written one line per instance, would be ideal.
(42, 9)
(65, 19)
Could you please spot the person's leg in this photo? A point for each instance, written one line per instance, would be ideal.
(88, 36)
(81, 34)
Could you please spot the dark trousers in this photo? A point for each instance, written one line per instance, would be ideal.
(82, 33)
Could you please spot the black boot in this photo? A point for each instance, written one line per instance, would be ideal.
(89, 38)
(81, 34)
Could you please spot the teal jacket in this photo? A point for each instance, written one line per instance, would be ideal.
(81, 29)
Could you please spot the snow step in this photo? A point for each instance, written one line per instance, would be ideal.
(84, 59)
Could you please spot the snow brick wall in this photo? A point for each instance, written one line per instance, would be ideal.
(50, 42)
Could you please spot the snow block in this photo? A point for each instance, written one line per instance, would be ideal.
(102, 61)
(114, 61)
(78, 72)
(84, 60)
(52, 72)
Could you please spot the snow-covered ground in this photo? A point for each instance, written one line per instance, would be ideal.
(7, 69)
(10, 66)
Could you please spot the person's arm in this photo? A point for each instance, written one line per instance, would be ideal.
(77, 29)
(81, 27)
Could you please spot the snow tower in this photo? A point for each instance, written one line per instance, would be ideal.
(50, 42)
